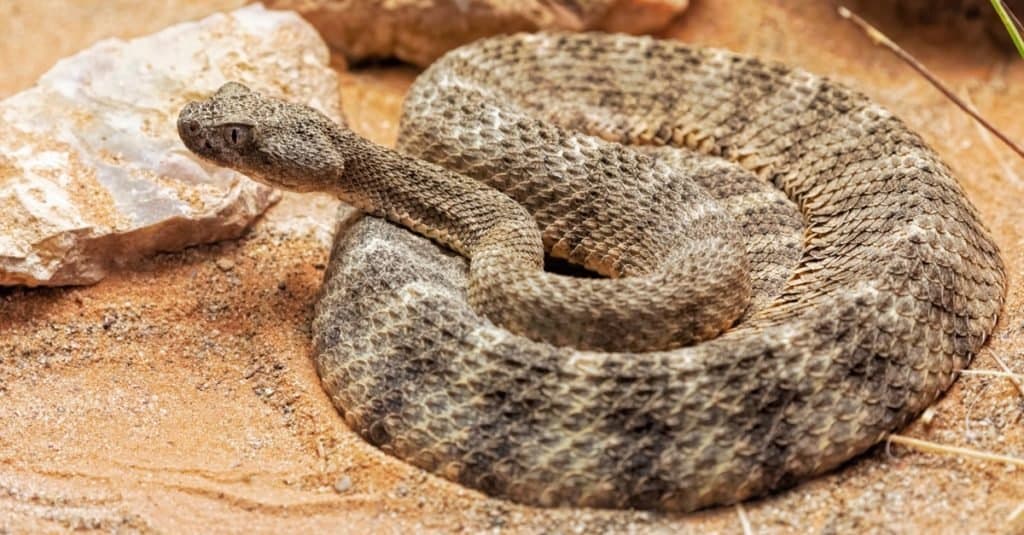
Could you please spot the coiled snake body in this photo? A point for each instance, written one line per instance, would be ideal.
(790, 273)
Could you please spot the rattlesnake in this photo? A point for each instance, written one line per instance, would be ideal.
(863, 280)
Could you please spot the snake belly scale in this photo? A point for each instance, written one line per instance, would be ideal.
(790, 273)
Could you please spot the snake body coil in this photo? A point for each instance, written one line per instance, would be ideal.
(857, 277)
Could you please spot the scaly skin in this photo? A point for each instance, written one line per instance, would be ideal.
(870, 281)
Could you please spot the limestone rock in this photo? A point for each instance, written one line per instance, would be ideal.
(419, 31)
(38, 33)
(92, 172)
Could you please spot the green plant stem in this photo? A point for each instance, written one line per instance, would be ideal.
(1010, 25)
(1016, 21)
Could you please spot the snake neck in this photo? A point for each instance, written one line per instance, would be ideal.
(459, 212)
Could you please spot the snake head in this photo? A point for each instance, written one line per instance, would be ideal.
(279, 143)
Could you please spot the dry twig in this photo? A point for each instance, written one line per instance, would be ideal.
(993, 373)
(1015, 520)
(932, 447)
(744, 521)
(880, 38)
(1014, 378)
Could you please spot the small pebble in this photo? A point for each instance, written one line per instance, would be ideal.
(343, 484)
(225, 264)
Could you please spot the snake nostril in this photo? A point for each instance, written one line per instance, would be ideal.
(186, 124)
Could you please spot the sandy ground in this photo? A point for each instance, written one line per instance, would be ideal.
(179, 395)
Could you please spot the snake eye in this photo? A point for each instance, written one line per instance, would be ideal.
(237, 135)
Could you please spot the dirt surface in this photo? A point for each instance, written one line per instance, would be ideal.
(179, 394)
